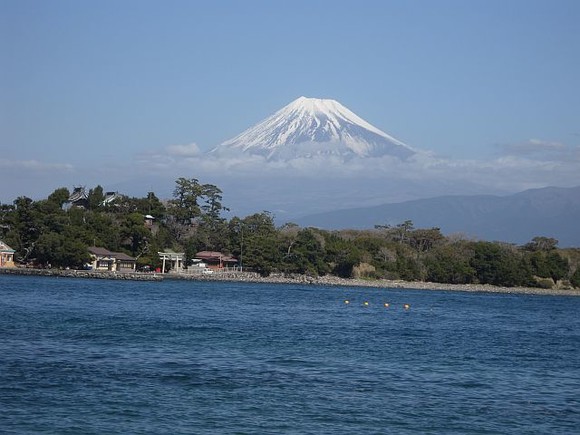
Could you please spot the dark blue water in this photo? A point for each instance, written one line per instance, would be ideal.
(95, 356)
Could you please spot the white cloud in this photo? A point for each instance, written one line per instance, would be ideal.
(323, 182)
(169, 158)
(505, 172)
(541, 150)
(545, 144)
(189, 150)
(251, 182)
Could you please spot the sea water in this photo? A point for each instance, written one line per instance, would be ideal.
(171, 357)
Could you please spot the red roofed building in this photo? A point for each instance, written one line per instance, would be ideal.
(216, 260)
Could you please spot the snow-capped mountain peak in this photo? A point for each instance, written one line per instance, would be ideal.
(309, 127)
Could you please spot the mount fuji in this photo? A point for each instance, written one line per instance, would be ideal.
(311, 127)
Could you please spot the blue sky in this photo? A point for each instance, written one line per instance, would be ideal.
(87, 89)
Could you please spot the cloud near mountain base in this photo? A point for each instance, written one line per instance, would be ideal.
(505, 173)
(306, 185)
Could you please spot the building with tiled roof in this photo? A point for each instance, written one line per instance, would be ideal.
(103, 259)
(216, 260)
(78, 198)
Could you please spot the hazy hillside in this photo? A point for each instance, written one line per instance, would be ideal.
(551, 212)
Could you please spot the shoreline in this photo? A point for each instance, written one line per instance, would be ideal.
(379, 283)
(251, 277)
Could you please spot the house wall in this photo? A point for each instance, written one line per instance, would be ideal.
(7, 259)
(100, 263)
(217, 264)
(125, 266)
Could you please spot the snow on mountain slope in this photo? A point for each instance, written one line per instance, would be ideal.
(310, 127)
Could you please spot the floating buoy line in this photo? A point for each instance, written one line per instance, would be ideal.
(366, 304)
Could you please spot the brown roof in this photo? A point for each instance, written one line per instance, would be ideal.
(102, 252)
(214, 256)
(124, 257)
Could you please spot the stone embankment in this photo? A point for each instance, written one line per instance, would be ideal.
(381, 283)
(66, 273)
(251, 277)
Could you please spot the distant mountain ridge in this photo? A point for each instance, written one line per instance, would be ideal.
(309, 127)
(550, 212)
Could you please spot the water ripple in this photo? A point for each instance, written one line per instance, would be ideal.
(82, 356)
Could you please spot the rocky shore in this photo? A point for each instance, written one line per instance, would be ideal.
(82, 274)
(382, 283)
(290, 279)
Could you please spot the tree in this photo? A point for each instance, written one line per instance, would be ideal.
(500, 265)
(185, 206)
(58, 250)
(212, 226)
(575, 278)
(549, 265)
(288, 234)
(235, 237)
(43, 231)
(212, 207)
(403, 229)
(341, 255)
(424, 239)
(95, 198)
(59, 197)
(101, 229)
(153, 206)
(306, 254)
(407, 266)
(7, 217)
(26, 226)
(541, 244)
(386, 254)
(134, 234)
(450, 263)
(557, 265)
(260, 250)
(397, 233)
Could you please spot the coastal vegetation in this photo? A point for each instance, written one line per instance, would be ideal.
(53, 233)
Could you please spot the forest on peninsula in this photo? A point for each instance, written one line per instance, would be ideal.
(47, 233)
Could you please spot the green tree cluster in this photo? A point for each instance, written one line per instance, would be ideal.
(48, 233)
